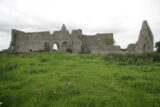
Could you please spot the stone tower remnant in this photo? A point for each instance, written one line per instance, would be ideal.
(145, 41)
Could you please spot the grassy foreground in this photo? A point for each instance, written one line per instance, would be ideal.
(42, 79)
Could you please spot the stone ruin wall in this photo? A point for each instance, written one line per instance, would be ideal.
(94, 44)
(77, 42)
(26, 42)
(145, 41)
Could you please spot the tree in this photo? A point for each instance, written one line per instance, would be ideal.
(158, 46)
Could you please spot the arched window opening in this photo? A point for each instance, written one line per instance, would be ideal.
(65, 43)
(12, 47)
(145, 38)
(17, 47)
(46, 46)
(30, 50)
(144, 48)
(55, 47)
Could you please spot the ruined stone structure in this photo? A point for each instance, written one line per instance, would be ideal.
(77, 42)
(145, 41)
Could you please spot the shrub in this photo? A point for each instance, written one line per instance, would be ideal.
(146, 69)
(69, 50)
(149, 60)
(131, 60)
(122, 63)
(138, 59)
(157, 46)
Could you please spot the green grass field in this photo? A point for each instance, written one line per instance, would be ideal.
(42, 79)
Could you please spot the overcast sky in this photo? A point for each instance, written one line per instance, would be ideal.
(121, 17)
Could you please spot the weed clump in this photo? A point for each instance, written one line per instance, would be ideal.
(148, 87)
(146, 69)
(10, 67)
(122, 63)
(32, 63)
(127, 77)
(44, 59)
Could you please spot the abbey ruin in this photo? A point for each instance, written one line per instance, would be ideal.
(77, 42)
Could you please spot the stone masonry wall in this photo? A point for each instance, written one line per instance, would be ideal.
(78, 42)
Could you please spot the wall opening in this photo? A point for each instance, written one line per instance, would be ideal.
(55, 47)
(30, 50)
(65, 44)
(144, 48)
(145, 38)
(17, 47)
(46, 46)
(12, 48)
